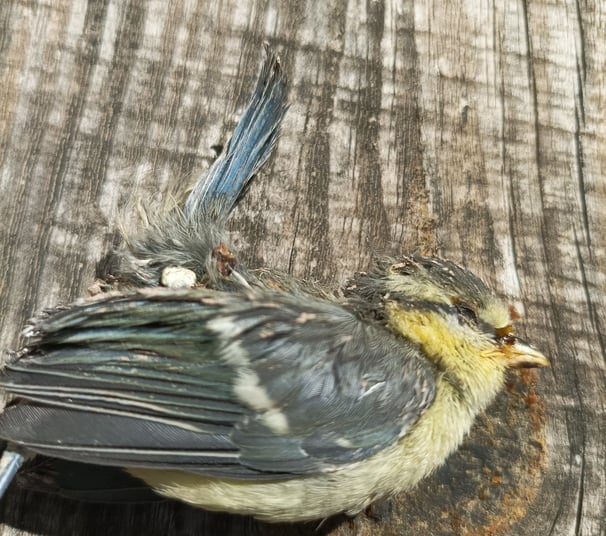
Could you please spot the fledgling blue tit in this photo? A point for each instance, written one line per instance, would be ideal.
(249, 392)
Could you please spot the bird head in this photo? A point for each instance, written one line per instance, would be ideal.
(457, 321)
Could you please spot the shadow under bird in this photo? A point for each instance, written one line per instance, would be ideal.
(248, 391)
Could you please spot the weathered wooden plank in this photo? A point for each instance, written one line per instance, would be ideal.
(472, 130)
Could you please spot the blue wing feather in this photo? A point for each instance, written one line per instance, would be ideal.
(249, 147)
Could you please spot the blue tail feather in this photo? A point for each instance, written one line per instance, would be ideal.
(252, 141)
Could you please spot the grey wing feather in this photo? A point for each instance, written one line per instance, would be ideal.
(256, 385)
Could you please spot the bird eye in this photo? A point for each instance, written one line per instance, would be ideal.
(507, 340)
(466, 312)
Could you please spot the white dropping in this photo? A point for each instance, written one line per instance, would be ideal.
(177, 277)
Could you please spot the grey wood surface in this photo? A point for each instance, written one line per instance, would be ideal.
(474, 130)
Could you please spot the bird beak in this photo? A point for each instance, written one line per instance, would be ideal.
(519, 354)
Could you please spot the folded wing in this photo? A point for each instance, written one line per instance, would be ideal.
(243, 385)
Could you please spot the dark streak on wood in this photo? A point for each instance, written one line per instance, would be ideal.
(316, 158)
(411, 209)
(373, 233)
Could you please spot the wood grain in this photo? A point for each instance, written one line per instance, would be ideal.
(474, 130)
